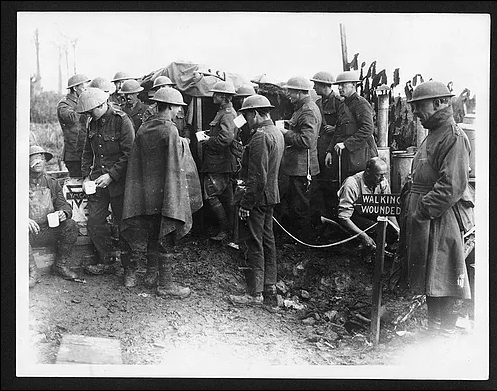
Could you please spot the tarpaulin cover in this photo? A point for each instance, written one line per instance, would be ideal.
(194, 79)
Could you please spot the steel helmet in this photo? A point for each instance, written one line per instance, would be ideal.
(347, 77)
(299, 83)
(245, 90)
(223, 87)
(162, 81)
(34, 149)
(430, 90)
(102, 83)
(264, 79)
(169, 95)
(91, 98)
(323, 77)
(77, 79)
(130, 87)
(121, 76)
(256, 102)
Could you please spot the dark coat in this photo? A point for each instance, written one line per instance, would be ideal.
(260, 166)
(217, 157)
(179, 121)
(162, 178)
(439, 193)
(136, 113)
(73, 127)
(328, 106)
(301, 140)
(108, 142)
(355, 129)
(117, 99)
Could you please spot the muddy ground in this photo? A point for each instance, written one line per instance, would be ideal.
(322, 323)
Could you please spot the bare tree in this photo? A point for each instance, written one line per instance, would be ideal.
(36, 78)
(73, 42)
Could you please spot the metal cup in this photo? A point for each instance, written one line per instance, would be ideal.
(53, 219)
(90, 187)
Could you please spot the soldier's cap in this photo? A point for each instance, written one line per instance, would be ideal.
(36, 149)
(161, 81)
(130, 86)
(76, 80)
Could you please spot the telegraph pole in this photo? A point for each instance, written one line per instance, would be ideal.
(343, 40)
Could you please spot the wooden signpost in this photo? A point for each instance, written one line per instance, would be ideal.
(383, 205)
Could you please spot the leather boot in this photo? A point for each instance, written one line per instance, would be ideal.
(166, 286)
(433, 312)
(270, 297)
(60, 266)
(150, 278)
(33, 271)
(222, 219)
(447, 316)
(129, 265)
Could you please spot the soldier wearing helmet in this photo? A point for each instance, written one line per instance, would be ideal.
(159, 82)
(260, 167)
(180, 119)
(102, 83)
(353, 141)
(324, 196)
(118, 79)
(300, 160)
(45, 196)
(161, 176)
(133, 106)
(439, 208)
(73, 124)
(105, 85)
(242, 92)
(109, 138)
(219, 164)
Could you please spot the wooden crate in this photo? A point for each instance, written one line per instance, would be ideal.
(80, 349)
(45, 255)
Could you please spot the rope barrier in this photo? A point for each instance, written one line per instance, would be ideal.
(322, 245)
(472, 230)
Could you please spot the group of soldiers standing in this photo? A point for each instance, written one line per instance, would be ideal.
(139, 158)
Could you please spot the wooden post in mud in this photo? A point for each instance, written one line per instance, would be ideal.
(382, 205)
(343, 40)
(378, 271)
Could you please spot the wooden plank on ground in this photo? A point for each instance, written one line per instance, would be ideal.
(80, 349)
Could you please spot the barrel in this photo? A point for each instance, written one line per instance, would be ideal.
(401, 168)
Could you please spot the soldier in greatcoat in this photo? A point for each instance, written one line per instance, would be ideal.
(439, 208)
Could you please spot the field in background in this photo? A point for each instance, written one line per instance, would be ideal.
(44, 128)
(50, 137)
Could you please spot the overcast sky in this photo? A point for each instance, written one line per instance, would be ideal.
(445, 47)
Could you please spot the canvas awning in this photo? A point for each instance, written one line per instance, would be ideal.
(193, 79)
